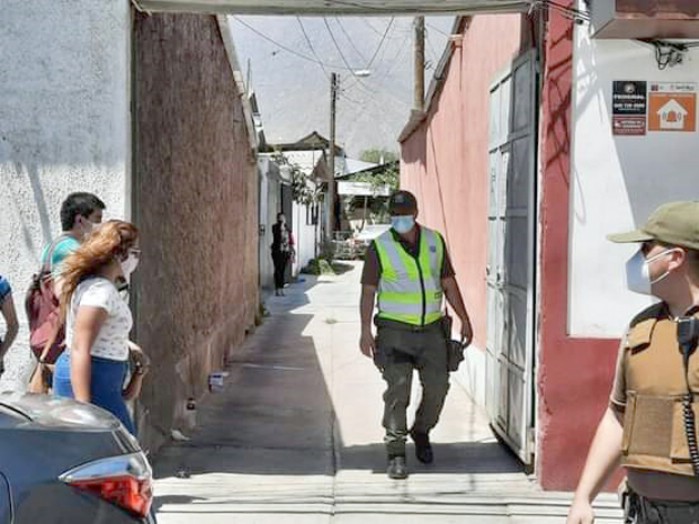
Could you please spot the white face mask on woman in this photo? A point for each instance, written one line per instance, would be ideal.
(638, 272)
(129, 265)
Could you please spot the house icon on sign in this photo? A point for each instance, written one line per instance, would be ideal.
(672, 115)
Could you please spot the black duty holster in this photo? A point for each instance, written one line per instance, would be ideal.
(455, 349)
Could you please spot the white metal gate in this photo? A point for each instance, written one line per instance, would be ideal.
(511, 257)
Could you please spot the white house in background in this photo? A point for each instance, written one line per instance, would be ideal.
(353, 166)
(306, 221)
(310, 154)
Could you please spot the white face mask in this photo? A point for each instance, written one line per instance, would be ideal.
(89, 227)
(403, 223)
(129, 265)
(638, 272)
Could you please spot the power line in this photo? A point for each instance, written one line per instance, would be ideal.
(342, 27)
(357, 79)
(432, 49)
(388, 96)
(288, 49)
(360, 5)
(339, 49)
(383, 39)
(571, 13)
(395, 60)
(376, 53)
(371, 26)
(437, 29)
(310, 46)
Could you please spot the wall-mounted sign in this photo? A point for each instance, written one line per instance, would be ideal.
(672, 106)
(629, 107)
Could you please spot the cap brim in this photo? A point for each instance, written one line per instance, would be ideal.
(402, 210)
(630, 237)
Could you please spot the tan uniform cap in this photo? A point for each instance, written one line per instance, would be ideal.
(675, 223)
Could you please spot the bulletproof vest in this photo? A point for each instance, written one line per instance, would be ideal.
(654, 432)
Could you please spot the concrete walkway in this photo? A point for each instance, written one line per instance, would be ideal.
(295, 437)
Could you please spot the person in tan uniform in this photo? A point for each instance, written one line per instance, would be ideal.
(649, 427)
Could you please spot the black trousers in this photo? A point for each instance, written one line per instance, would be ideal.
(641, 510)
(280, 259)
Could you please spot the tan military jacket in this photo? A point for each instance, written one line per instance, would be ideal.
(649, 388)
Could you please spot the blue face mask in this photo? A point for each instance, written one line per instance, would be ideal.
(403, 224)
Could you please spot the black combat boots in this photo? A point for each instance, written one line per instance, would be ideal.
(397, 469)
(423, 448)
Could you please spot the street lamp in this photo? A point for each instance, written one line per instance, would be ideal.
(334, 88)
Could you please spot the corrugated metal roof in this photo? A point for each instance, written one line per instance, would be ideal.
(336, 7)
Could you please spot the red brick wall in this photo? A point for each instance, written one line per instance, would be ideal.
(195, 186)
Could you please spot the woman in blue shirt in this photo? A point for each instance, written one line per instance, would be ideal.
(7, 308)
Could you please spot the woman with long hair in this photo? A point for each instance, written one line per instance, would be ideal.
(94, 365)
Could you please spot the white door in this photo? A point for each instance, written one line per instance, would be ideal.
(511, 258)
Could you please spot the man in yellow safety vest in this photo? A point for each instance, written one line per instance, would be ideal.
(407, 273)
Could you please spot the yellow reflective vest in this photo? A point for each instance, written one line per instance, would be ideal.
(410, 288)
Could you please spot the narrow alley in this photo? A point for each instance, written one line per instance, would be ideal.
(295, 437)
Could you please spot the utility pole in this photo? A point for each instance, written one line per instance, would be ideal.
(330, 218)
(419, 104)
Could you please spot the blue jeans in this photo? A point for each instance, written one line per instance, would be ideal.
(106, 384)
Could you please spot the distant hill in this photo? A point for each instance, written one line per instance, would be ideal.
(294, 93)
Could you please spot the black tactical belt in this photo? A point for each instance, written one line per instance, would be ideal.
(402, 326)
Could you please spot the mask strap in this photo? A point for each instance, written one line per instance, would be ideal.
(662, 254)
(656, 257)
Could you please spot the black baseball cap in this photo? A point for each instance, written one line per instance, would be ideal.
(402, 203)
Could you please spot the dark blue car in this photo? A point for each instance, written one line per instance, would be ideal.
(63, 461)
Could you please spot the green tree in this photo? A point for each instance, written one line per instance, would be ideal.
(376, 154)
(377, 206)
(301, 191)
(388, 177)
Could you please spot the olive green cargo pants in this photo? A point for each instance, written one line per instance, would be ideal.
(400, 350)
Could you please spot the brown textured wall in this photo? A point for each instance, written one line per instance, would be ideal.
(195, 186)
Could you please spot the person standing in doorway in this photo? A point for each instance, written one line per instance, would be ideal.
(282, 252)
(650, 425)
(409, 268)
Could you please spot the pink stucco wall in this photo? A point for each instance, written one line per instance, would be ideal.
(445, 161)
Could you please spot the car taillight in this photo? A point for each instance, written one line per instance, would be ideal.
(125, 481)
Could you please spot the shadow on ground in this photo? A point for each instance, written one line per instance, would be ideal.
(275, 420)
